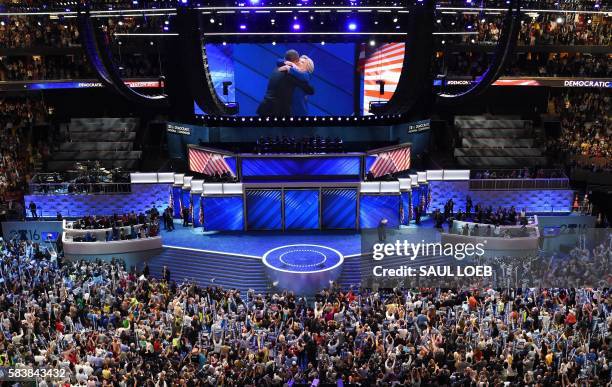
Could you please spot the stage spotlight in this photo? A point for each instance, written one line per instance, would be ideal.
(559, 20)
(322, 43)
(372, 43)
(272, 21)
(296, 27)
(473, 41)
(352, 26)
(274, 43)
(212, 20)
(243, 27)
(254, 2)
(443, 41)
(394, 20)
(225, 43)
(439, 21)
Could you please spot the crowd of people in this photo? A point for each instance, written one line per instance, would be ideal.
(107, 325)
(18, 154)
(27, 32)
(49, 67)
(478, 213)
(474, 64)
(44, 67)
(312, 144)
(586, 126)
(539, 29)
(119, 227)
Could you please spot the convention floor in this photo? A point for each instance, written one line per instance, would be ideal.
(256, 243)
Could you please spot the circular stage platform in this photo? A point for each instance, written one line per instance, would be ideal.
(303, 268)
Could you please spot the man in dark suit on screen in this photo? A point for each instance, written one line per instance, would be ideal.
(279, 93)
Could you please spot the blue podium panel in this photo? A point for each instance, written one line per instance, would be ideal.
(297, 167)
(339, 208)
(186, 199)
(176, 202)
(405, 208)
(223, 213)
(302, 209)
(263, 209)
(373, 208)
(196, 209)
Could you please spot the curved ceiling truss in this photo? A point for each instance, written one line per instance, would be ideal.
(505, 48)
(414, 87)
(96, 46)
(195, 64)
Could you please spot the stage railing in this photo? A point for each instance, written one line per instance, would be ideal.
(519, 184)
(516, 173)
(79, 188)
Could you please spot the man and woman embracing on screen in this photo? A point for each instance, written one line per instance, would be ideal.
(288, 87)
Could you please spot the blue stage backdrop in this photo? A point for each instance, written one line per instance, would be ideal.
(339, 208)
(249, 65)
(142, 198)
(196, 209)
(298, 167)
(301, 209)
(263, 209)
(373, 208)
(223, 213)
(176, 202)
(186, 199)
(405, 208)
(537, 200)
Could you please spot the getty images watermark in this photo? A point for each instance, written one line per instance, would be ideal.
(410, 251)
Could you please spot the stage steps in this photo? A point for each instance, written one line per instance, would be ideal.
(82, 146)
(207, 269)
(107, 137)
(109, 141)
(110, 124)
(497, 141)
(498, 152)
(97, 155)
(491, 122)
(495, 132)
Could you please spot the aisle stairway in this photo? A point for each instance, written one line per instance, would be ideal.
(107, 140)
(244, 273)
(497, 142)
(206, 269)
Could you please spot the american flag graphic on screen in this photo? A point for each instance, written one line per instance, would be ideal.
(208, 163)
(391, 161)
(383, 63)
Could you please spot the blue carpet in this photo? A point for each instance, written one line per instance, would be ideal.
(258, 242)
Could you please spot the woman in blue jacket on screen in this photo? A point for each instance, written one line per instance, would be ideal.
(302, 70)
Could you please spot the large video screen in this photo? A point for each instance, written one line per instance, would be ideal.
(304, 79)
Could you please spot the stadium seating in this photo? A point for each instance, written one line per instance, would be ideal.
(497, 141)
(107, 140)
